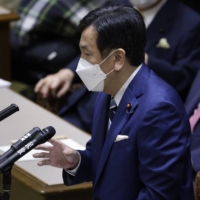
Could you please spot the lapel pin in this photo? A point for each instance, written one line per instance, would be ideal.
(129, 106)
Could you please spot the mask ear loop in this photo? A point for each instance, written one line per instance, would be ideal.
(109, 72)
(107, 58)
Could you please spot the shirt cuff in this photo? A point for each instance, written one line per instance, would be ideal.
(73, 171)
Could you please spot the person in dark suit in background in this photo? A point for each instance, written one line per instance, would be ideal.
(171, 51)
(140, 145)
(192, 106)
(173, 46)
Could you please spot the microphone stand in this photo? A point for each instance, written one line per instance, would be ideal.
(6, 179)
(5, 195)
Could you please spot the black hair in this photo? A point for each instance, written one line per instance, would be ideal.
(118, 26)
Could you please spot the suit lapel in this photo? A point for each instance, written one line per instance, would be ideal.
(100, 127)
(134, 90)
(161, 24)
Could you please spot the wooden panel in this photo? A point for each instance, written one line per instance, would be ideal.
(5, 44)
(4, 51)
(25, 186)
(8, 17)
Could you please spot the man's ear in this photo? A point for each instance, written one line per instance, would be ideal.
(120, 55)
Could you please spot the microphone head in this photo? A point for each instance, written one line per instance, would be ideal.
(50, 130)
(15, 107)
(43, 136)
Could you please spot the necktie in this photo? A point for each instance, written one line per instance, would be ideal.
(113, 108)
(195, 118)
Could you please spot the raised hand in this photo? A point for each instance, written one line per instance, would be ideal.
(57, 155)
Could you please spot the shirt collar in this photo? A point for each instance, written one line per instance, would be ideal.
(120, 93)
(149, 14)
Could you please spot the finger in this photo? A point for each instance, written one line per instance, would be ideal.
(63, 90)
(41, 155)
(55, 84)
(45, 90)
(54, 88)
(44, 162)
(54, 142)
(43, 147)
(39, 85)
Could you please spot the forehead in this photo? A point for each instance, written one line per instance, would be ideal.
(88, 39)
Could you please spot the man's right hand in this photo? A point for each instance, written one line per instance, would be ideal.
(55, 85)
(57, 155)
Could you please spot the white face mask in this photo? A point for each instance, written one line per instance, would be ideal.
(142, 4)
(92, 75)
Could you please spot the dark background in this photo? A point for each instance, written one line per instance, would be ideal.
(195, 4)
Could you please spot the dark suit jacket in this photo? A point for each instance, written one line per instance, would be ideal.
(191, 104)
(181, 27)
(154, 162)
(177, 65)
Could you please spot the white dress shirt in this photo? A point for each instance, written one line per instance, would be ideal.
(120, 93)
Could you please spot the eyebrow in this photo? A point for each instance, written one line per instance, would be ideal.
(84, 47)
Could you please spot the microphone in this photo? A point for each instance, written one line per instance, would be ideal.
(41, 137)
(20, 143)
(8, 111)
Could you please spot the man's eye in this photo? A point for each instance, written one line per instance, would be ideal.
(87, 54)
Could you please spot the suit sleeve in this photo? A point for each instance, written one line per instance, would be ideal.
(163, 152)
(84, 172)
(181, 70)
(72, 66)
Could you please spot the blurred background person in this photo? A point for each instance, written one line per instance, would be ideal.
(173, 46)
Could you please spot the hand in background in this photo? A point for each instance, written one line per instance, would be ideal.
(55, 85)
(59, 155)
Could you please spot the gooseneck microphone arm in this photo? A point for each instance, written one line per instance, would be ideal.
(5, 195)
(19, 149)
(6, 183)
(8, 111)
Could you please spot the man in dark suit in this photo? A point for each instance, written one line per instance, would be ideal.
(140, 147)
(192, 106)
(172, 51)
(173, 46)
